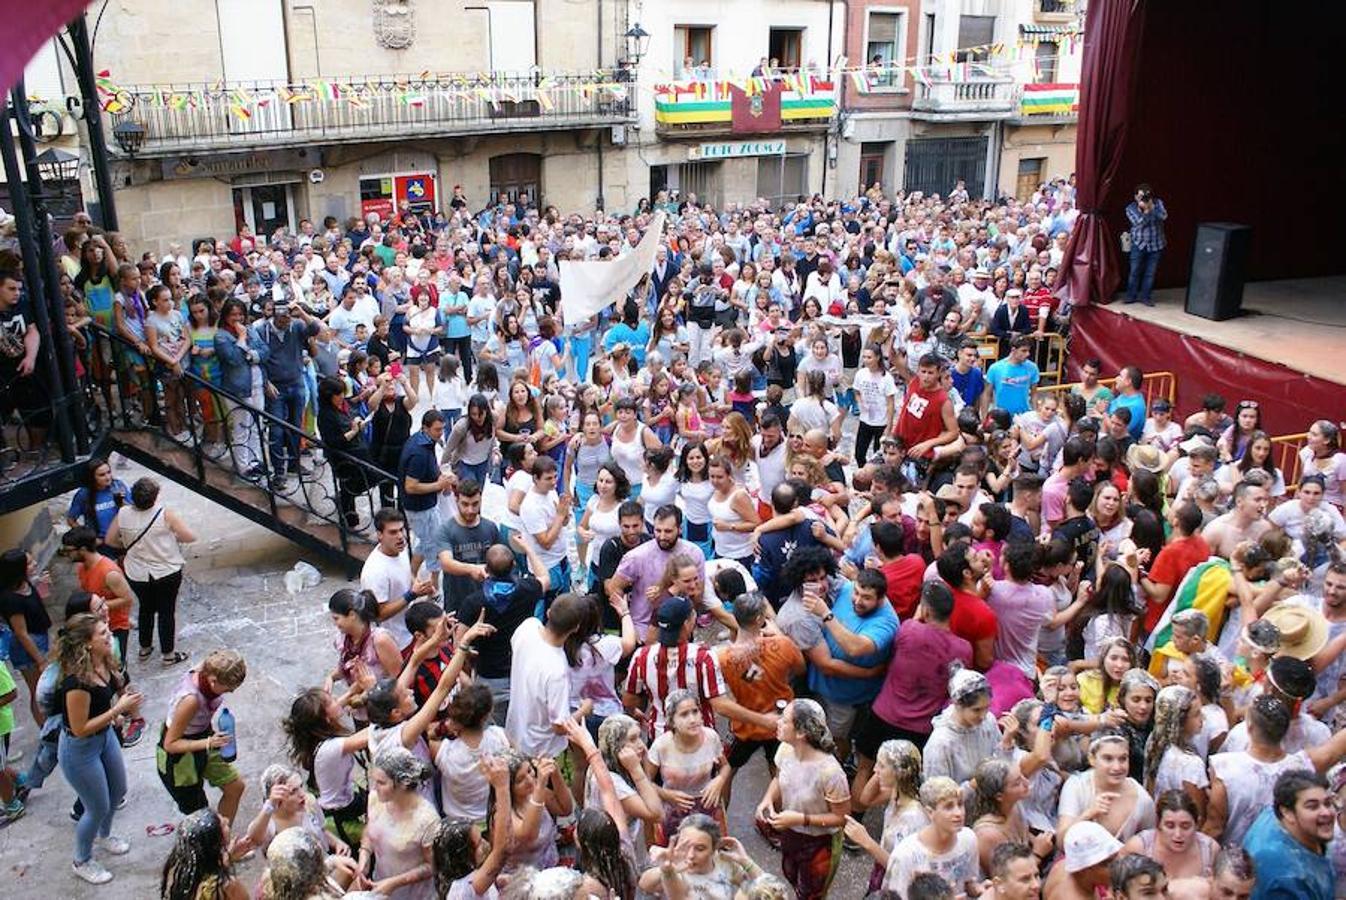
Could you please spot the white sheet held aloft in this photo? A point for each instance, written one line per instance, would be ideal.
(587, 288)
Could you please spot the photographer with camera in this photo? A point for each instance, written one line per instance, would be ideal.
(1146, 214)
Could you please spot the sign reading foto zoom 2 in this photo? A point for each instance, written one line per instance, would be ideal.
(738, 148)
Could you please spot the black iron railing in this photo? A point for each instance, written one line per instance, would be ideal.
(199, 115)
(228, 446)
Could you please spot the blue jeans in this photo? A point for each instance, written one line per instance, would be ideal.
(93, 767)
(582, 494)
(288, 404)
(1141, 280)
(478, 472)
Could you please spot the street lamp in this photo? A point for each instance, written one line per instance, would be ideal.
(129, 135)
(57, 167)
(637, 42)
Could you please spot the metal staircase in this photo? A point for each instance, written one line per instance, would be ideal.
(304, 510)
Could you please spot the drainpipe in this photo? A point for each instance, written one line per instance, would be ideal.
(598, 32)
(841, 101)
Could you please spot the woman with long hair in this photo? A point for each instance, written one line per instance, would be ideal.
(471, 444)
(897, 785)
(465, 865)
(621, 746)
(998, 791)
(464, 787)
(1109, 513)
(363, 646)
(599, 520)
(96, 503)
(1102, 676)
(685, 759)
(198, 867)
(1171, 760)
(92, 699)
(667, 336)
(539, 796)
(1233, 442)
(806, 804)
(322, 744)
(520, 422)
(1322, 455)
(1257, 457)
(735, 445)
(1113, 608)
(298, 867)
(586, 452)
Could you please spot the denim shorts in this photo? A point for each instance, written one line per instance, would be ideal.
(18, 655)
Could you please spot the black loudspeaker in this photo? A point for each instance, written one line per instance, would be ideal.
(1219, 267)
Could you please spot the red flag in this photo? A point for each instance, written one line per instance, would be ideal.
(757, 113)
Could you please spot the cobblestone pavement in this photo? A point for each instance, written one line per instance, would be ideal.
(234, 596)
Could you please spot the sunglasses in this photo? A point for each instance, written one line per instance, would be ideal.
(1248, 404)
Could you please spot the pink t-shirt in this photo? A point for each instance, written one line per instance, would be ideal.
(1021, 610)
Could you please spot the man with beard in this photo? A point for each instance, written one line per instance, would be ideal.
(642, 568)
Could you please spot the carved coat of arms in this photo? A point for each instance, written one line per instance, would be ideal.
(394, 23)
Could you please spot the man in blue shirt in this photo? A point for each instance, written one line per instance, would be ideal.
(1288, 842)
(858, 632)
(968, 379)
(286, 340)
(422, 482)
(1128, 384)
(1147, 215)
(1014, 377)
(453, 302)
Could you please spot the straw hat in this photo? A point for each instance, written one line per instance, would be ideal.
(1145, 456)
(1303, 630)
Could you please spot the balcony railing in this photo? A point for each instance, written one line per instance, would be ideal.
(240, 115)
(967, 98)
(704, 106)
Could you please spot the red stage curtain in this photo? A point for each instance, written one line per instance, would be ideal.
(27, 26)
(1091, 269)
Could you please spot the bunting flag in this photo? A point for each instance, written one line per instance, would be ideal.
(327, 90)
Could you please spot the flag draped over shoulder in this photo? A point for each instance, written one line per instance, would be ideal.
(587, 288)
(1205, 587)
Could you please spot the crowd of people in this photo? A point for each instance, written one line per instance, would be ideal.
(803, 492)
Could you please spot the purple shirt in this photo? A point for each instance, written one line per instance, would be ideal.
(1020, 610)
(917, 683)
(644, 566)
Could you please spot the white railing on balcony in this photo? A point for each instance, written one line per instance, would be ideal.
(203, 116)
(968, 96)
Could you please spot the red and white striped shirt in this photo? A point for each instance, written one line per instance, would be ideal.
(656, 671)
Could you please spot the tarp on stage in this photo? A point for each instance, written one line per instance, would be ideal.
(1290, 401)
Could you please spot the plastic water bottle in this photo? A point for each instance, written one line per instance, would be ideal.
(229, 752)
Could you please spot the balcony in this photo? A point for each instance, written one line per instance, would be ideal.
(1047, 104)
(965, 99)
(791, 101)
(1056, 11)
(238, 116)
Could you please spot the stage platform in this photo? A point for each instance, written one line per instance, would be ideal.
(1288, 351)
(1299, 322)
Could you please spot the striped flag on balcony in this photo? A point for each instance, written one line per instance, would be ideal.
(1049, 99)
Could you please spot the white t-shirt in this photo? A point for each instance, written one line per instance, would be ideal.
(872, 391)
(539, 685)
(1178, 767)
(770, 468)
(594, 678)
(463, 788)
(536, 515)
(334, 773)
(520, 481)
(911, 857)
(389, 577)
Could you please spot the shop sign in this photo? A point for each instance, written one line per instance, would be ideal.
(735, 149)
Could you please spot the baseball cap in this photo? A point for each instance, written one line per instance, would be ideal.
(673, 614)
(1089, 844)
